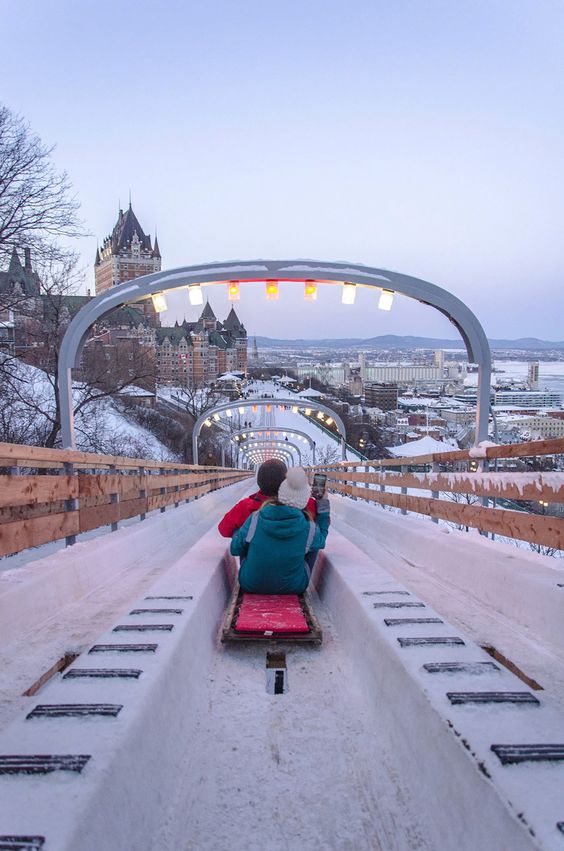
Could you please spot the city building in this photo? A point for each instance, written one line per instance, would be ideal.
(193, 352)
(126, 254)
(533, 376)
(532, 427)
(528, 399)
(383, 395)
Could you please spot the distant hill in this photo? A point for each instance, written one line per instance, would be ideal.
(391, 341)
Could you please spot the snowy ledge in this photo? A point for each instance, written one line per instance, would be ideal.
(464, 797)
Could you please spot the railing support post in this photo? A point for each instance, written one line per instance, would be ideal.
(435, 468)
(162, 490)
(70, 504)
(142, 491)
(114, 499)
(403, 469)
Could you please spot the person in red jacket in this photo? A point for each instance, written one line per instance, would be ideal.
(270, 476)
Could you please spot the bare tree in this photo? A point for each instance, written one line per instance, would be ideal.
(36, 205)
(46, 319)
(199, 397)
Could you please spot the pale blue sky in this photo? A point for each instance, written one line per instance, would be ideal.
(425, 136)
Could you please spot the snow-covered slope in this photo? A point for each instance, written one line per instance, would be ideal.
(27, 408)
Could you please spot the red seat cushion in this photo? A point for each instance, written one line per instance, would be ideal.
(271, 613)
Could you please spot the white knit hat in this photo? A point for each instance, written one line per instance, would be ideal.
(295, 490)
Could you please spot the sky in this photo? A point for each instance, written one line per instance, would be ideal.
(422, 136)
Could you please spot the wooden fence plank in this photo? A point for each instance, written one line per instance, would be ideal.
(95, 516)
(15, 454)
(131, 507)
(9, 514)
(28, 490)
(528, 486)
(531, 449)
(23, 534)
(545, 530)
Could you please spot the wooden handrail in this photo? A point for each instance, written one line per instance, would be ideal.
(554, 446)
(90, 491)
(18, 455)
(516, 487)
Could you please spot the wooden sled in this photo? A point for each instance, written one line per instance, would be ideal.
(270, 617)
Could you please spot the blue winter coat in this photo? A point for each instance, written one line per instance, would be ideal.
(273, 562)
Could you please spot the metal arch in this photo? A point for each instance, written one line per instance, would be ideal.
(276, 444)
(263, 429)
(458, 313)
(296, 402)
(286, 452)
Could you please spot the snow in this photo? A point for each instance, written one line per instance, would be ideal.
(133, 390)
(233, 767)
(100, 426)
(228, 376)
(479, 451)
(425, 446)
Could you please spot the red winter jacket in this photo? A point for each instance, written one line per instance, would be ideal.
(235, 518)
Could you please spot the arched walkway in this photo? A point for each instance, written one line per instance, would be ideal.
(294, 403)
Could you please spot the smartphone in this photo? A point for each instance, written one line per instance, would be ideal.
(318, 488)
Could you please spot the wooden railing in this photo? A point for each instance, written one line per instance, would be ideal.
(543, 489)
(49, 494)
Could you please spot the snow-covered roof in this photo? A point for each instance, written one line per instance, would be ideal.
(228, 376)
(133, 390)
(425, 446)
(310, 393)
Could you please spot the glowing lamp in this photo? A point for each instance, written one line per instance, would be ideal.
(386, 300)
(272, 290)
(244, 436)
(241, 410)
(329, 421)
(216, 417)
(349, 293)
(254, 408)
(320, 416)
(310, 291)
(159, 302)
(268, 408)
(308, 412)
(207, 423)
(195, 294)
(233, 293)
(295, 409)
(229, 412)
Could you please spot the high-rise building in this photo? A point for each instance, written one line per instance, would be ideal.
(383, 395)
(126, 253)
(533, 376)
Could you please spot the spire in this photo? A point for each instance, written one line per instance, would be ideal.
(232, 323)
(207, 312)
(97, 260)
(156, 251)
(15, 262)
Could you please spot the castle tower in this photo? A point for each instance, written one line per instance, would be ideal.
(208, 318)
(126, 254)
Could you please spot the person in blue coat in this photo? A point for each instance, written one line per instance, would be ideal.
(274, 540)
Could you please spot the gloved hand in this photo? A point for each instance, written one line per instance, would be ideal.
(323, 506)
